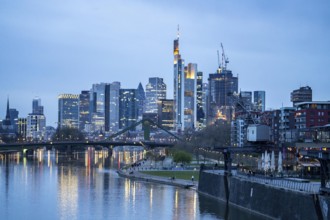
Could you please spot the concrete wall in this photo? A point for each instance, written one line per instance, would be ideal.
(263, 199)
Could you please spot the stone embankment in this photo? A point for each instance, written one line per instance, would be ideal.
(274, 198)
(136, 175)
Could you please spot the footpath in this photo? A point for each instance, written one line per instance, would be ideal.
(136, 175)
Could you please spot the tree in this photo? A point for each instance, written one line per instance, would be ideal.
(182, 157)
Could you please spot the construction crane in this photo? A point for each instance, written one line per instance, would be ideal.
(225, 59)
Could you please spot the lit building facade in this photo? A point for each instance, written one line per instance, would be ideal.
(259, 100)
(36, 122)
(68, 111)
(220, 103)
(114, 106)
(166, 113)
(84, 110)
(128, 108)
(98, 107)
(155, 90)
(178, 88)
(311, 114)
(200, 115)
(190, 96)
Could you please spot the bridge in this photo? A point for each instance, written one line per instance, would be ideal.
(109, 143)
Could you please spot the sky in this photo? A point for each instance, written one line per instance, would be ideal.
(53, 47)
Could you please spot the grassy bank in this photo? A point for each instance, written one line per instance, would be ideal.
(185, 174)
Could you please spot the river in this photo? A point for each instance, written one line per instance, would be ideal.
(86, 186)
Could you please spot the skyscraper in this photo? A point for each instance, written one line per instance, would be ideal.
(199, 99)
(155, 90)
(114, 106)
(141, 99)
(165, 112)
(68, 110)
(84, 109)
(303, 94)
(98, 107)
(178, 87)
(222, 85)
(190, 101)
(36, 122)
(128, 109)
(259, 100)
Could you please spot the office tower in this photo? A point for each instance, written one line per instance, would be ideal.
(246, 99)
(205, 98)
(166, 113)
(222, 85)
(68, 111)
(190, 101)
(14, 118)
(128, 108)
(178, 87)
(37, 108)
(36, 122)
(259, 100)
(84, 110)
(114, 106)
(199, 99)
(155, 90)
(98, 107)
(141, 99)
(303, 94)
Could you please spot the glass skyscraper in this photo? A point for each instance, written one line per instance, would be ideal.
(128, 109)
(68, 110)
(190, 95)
(259, 99)
(178, 87)
(84, 109)
(155, 90)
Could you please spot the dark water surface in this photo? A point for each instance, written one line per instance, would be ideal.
(50, 186)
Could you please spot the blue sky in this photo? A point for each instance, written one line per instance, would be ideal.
(53, 47)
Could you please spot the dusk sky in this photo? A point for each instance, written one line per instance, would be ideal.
(52, 47)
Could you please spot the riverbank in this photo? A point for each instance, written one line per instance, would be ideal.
(136, 175)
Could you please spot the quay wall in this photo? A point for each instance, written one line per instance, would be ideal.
(270, 201)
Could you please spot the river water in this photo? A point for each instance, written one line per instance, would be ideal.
(86, 186)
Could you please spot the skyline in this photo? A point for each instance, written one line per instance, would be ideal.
(44, 43)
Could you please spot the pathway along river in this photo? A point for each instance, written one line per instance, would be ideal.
(50, 186)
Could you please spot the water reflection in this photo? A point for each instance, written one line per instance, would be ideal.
(50, 185)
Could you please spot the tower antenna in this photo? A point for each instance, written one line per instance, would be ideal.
(178, 34)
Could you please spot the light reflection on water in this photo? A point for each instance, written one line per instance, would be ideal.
(86, 186)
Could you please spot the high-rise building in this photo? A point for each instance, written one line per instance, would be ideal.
(21, 128)
(68, 110)
(37, 108)
(190, 95)
(36, 122)
(222, 85)
(246, 99)
(14, 118)
(178, 87)
(303, 94)
(259, 100)
(205, 98)
(141, 97)
(98, 107)
(128, 108)
(200, 115)
(84, 110)
(155, 90)
(165, 112)
(114, 106)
